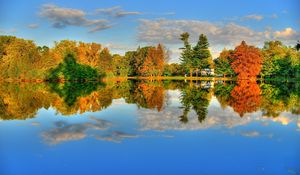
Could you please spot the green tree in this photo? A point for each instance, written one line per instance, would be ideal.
(70, 91)
(195, 98)
(105, 65)
(138, 58)
(70, 70)
(201, 55)
(280, 60)
(173, 69)
(223, 62)
(129, 55)
(121, 65)
(187, 53)
(272, 52)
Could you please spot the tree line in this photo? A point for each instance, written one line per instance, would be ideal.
(23, 59)
(246, 62)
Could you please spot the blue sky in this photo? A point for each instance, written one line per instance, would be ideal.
(124, 25)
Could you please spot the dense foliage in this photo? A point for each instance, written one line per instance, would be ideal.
(247, 61)
(195, 58)
(280, 60)
(147, 61)
(223, 63)
(21, 59)
(71, 71)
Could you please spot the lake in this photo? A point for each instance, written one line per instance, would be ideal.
(150, 127)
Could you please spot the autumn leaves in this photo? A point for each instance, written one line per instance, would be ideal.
(247, 61)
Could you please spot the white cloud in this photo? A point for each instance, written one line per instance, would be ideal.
(67, 132)
(117, 46)
(100, 27)
(116, 11)
(274, 16)
(250, 134)
(8, 31)
(64, 132)
(219, 35)
(168, 31)
(108, 11)
(253, 17)
(124, 13)
(33, 26)
(287, 33)
(116, 136)
(63, 17)
(35, 123)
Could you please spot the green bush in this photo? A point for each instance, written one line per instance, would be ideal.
(69, 70)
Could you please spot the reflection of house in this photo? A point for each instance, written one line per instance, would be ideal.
(205, 84)
(208, 72)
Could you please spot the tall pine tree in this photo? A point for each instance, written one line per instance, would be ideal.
(201, 54)
(187, 53)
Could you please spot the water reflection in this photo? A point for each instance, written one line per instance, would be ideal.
(21, 101)
(196, 98)
(257, 124)
(70, 91)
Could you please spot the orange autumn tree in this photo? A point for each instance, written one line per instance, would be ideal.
(153, 95)
(146, 94)
(245, 97)
(148, 67)
(159, 60)
(89, 53)
(154, 61)
(247, 61)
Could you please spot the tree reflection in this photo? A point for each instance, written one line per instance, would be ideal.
(245, 97)
(70, 90)
(196, 98)
(278, 97)
(222, 92)
(23, 100)
(147, 94)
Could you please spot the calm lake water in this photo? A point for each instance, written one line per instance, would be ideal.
(143, 127)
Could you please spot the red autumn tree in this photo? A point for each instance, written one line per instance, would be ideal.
(153, 64)
(148, 66)
(159, 60)
(247, 61)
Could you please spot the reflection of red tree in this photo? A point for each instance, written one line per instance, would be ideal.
(154, 95)
(245, 97)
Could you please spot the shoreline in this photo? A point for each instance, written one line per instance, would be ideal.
(112, 79)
